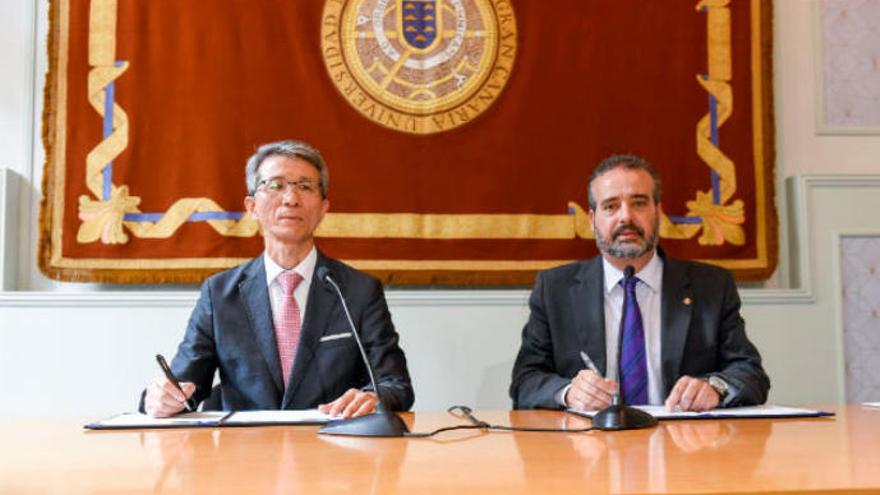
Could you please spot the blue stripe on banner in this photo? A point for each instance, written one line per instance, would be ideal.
(716, 188)
(713, 126)
(215, 215)
(109, 100)
(713, 119)
(195, 217)
(143, 217)
(107, 181)
(109, 95)
(693, 220)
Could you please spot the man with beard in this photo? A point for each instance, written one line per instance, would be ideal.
(684, 341)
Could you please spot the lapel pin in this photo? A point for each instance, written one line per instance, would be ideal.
(687, 301)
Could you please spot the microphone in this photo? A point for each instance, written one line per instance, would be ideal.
(380, 423)
(618, 416)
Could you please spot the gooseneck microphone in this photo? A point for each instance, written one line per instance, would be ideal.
(618, 416)
(380, 423)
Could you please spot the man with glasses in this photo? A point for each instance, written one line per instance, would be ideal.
(277, 335)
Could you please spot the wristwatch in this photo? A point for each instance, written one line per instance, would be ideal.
(719, 385)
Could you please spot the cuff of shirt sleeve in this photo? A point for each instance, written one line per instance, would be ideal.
(732, 392)
(560, 395)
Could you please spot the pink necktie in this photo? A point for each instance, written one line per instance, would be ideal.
(287, 322)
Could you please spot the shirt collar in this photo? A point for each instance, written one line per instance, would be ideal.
(306, 267)
(651, 274)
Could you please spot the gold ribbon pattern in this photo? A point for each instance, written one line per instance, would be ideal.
(721, 221)
(103, 219)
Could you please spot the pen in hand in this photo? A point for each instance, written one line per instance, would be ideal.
(189, 403)
(589, 363)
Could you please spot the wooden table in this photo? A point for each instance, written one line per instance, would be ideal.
(840, 454)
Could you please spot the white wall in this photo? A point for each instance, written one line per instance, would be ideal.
(86, 350)
(801, 150)
(17, 84)
(23, 65)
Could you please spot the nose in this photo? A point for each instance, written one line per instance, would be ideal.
(290, 195)
(624, 213)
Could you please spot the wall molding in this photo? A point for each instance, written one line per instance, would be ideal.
(8, 228)
(172, 299)
(395, 297)
(822, 127)
(837, 273)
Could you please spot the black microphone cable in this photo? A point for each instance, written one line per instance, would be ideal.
(478, 424)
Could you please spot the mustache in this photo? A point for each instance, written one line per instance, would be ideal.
(628, 227)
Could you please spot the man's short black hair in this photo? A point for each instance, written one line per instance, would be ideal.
(629, 162)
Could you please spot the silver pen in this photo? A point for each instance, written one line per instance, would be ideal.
(589, 363)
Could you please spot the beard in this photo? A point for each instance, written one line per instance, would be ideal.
(628, 250)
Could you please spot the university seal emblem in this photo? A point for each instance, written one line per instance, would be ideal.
(419, 66)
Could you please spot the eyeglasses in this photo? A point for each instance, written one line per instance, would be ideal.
(277, 185)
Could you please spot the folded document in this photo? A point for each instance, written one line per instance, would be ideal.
(764, 411)
(213, 419)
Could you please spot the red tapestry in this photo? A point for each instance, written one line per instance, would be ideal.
(459, 134)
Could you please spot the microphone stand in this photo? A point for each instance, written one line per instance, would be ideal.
(619, 416)
(381, 423)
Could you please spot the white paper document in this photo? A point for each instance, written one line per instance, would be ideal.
(764, 411)
(215, 419)
(140, 420)
(251, 418)
(871, 404)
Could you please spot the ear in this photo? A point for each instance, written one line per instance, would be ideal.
(325, 207)
(249, 205)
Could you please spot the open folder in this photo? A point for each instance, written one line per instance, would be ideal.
(764, 411)
(127, 421)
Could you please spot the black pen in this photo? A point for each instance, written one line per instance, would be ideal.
(190, 405)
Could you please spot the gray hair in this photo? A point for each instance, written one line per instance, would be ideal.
(290, 149)
(629, 162)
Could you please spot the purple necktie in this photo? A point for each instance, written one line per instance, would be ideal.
(633, 364)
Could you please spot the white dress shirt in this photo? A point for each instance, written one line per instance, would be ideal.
(306, 268)
(649, 294)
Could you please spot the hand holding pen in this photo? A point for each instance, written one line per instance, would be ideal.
(589, 390)
(167, 396)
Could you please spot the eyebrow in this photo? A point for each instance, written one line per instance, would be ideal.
(618, 198)
(301, 177)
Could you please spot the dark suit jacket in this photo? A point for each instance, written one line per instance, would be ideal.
(699, 339)
(231, 330)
